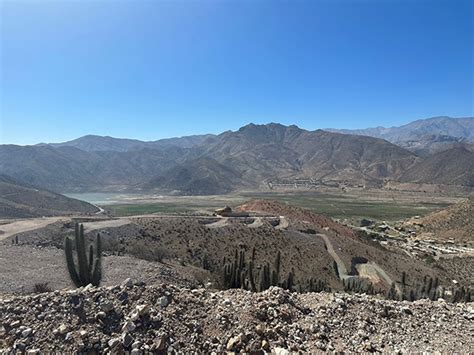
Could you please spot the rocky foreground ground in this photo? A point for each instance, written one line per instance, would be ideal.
(165, 318)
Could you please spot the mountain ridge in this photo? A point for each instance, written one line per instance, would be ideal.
(94, 143)
(253, 156)
(460, 127)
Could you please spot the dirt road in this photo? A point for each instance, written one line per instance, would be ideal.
(24, 225)
(369, 270)
(109, 223)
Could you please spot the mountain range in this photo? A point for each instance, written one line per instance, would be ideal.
(251, 157)
(439, 126)
(424, 136)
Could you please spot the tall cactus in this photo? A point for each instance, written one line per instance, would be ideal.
(89, 268)
(240, 273)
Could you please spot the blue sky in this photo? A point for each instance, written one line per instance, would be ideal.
(154, 69)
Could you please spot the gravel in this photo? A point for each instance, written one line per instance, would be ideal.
(162, 318)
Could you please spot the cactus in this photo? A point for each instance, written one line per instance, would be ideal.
(252, 286)
(392, 293)
(89, 268)
(276, 271)
(290, 280)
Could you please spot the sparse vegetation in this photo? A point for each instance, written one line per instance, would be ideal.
(41, 287)
(147, 251)
(241, 274)
(430, 289)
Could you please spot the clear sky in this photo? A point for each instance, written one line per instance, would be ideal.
(155, 69)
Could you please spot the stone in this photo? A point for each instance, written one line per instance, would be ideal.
(227, 302)
(112, 343)
(142, 309)
(100, 315)
(26, 332)
(19, 346)
(164, 301)
(160, 343)
(127, 283)
(87, 288)
(134, 316)
(62, 329)
(340, 301)
(128, 326)
(136, 345)
(281, 351)
(127, 340)
(232, 342)
(107, 306)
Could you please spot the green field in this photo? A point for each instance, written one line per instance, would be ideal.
(340, 206)
(349, 206)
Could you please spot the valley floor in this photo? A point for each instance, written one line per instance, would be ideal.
(352, 203)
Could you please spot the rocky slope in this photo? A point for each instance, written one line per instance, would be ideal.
(432, 144)
(17, 200)
(451, 167)
(455, 222)
(165, 318)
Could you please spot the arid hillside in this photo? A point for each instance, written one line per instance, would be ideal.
(253, 157)
(455, 222)
(311, 246)
(462, 127)
(248, 158)
(451, 167)
(18, 200)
